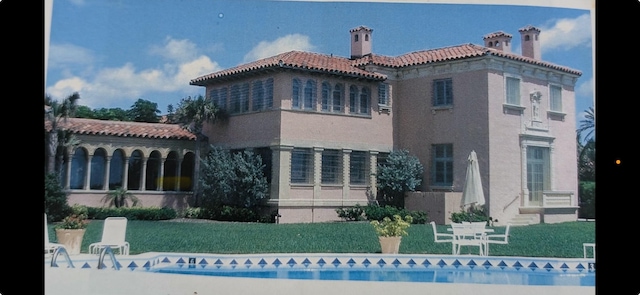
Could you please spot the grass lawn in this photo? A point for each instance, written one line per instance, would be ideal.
(539, 240)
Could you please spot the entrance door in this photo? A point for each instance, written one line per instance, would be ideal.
(537, 173)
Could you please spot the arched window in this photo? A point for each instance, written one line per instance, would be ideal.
(97, 170)
(355, 38)
(364, 100)
(353, 99)
(78, 169)
(337, 98)
(295, 95)
(366, 37)
(135, 170)
(152, 175)
(310, 95)
(116, 168)
(326, 100)
(527, 38)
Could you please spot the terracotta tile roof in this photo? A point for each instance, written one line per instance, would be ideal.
(346, 67)
(497, 34)
(451, 53)
(124, 129)
(296, 60)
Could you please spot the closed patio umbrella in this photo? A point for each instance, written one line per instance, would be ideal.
(472, 194)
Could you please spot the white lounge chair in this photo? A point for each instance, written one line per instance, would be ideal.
(49, 247)
(496, 239)
(113, 235)
(468, 234)
(442, 237)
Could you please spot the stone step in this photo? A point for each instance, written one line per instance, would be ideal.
(523, 219)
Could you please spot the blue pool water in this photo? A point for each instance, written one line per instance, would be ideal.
(428, 269)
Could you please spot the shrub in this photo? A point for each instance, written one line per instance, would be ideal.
(400, 173)
(133, 213)
(392, 227)
(376, 212)
(355, 213)
(473, 215)
(587, 197)
(55, 199)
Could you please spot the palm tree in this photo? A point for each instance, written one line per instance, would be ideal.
(192, 114)
(118, 197)
(588, 124)
(587, 147)
(56, 112)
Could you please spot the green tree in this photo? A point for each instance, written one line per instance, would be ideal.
(144, 111)
(84, 112)
(192, 114)
(235, 180)
(112, 114)
(399, 174)
(55, 199)
(55, 113)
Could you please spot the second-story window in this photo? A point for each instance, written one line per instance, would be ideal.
(555, 98)
(442, 92)
(513, 91)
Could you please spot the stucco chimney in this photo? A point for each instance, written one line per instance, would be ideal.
(360, 41)
(498, 40)
(530, 42)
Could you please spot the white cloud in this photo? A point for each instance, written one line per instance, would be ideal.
(118, 86)
(280, 45)
(585, 88)
(566, 33)
(66, 55)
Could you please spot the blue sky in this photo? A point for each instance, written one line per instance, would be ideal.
(114, 52)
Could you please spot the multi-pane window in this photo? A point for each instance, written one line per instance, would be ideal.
(383, 94)
(443, 92)
(301, 166)
(309, 95)
(358, 167)
(326, 96)
(219, 97)
(359, 100)
(338, 94)
(555, 98)
(295, 95)
(442, 164)
(239, 101)
(513, 91)
(331, 167)
(257, 95)
(268, 93)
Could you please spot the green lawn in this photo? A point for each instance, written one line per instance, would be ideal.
(540, 240)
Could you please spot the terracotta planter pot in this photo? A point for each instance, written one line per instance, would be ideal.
(71, 239)
(390, 245)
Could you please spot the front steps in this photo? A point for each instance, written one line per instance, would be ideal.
(523, 219)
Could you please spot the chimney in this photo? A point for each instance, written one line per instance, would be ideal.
(530, 40)
(360, 42)
(498, 40)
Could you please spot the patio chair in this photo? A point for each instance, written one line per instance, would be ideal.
(442, 237)
(49, 247)
(113, 235)
(496, 239)
(468, 234)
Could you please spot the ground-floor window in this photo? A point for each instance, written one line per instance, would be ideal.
(442, 165)
(301, 165)
(358, 167)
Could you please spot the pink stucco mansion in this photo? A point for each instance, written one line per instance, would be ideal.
(323, 122)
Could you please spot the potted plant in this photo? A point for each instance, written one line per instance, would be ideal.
(390, 232)
(71, 230)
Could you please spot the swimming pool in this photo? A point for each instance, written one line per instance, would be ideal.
(287, 273)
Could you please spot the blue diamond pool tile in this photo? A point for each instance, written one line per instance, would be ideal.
(487, 264)
(396, 262)
(336, 262)
(426, 263)
(381, 262)
(180, 260)
(441, 263)
(580, 266)
(262, 263)
(472, 263)
(166, 259)
(321, 262)
(366, 262)
(248, 263)
(277, 262)
(411, 263)
(564, 267)
(233, 262)
(456, 263)
(306, 262)
(132, 265)
(147, 264)
(533, 266)
(204, 261)
(502, 264)
(517, 265)
(86, 265)
(351, 262)
(291, 262)
(548, 266)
